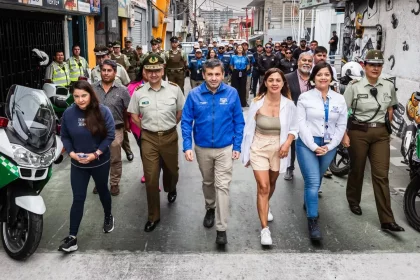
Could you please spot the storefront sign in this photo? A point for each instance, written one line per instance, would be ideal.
(304, 4)
(124, 8)
(83, 6)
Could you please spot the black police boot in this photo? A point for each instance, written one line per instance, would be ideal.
(209, 218)
(221, 238)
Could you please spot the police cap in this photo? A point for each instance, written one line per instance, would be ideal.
(174, 39)
(117, 44)
(128, 40)
(154, 42)
(139, 47)
(153, 62)
(374, 57)
(101, 50)
(159, 40)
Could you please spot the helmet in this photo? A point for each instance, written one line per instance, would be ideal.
(353, 70)
(374, 57)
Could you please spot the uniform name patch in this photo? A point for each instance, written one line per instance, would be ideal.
(223, 101)
(334, 109)
(362, 96)
(144, 102)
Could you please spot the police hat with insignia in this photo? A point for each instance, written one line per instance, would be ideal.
(139, 47)
(101, 50)
(374, 57)
(159, 40)
(153, 62)
(117, 44)
(174, 39)
(128, 40)
(154, 42)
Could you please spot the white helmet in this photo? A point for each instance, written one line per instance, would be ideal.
(353, 69)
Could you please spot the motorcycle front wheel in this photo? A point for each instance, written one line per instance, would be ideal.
(340, 165)
(21, 237)
(412, 203)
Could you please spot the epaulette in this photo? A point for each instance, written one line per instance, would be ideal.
(389, 80)
(354, 81)
(172, 83)
(138, 87)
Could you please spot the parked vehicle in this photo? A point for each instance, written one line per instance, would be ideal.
(28, 147)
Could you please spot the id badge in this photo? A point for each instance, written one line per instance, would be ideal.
(291, 69)
(198, 71)
(327, 138)
(240, 74)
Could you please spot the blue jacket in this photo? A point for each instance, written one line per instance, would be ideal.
(225, 58)
(196, 67)
(218, 119)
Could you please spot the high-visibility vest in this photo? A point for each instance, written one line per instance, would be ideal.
(59, 76)
(75, 70)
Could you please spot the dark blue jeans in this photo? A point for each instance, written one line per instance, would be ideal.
(313, 168)
(79, 178)
(332, 59)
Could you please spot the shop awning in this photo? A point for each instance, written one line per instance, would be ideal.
(256, 3)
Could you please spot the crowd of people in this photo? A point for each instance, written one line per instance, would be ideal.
(295, 113)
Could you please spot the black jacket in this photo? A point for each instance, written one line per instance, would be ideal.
(298, 51)
(266, 62)
(288, 66)
(293, 82)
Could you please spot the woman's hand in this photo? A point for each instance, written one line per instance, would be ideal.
(284, 150)
(346, 141)
(321, 151)
(89, 158)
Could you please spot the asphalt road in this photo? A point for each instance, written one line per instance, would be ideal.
(181, 248)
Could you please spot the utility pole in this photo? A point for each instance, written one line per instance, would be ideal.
(195, 21)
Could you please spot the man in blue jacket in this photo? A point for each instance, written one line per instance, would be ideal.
(215, 110)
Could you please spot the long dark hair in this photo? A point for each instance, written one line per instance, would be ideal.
(285, 91)
(95, 121)
(208, 54)
(316, 69)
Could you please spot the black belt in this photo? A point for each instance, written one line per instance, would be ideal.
(160, 133)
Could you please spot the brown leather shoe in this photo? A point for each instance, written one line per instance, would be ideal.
(115, 190)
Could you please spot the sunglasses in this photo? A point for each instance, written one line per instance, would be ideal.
(268, 47)
(288, 53)
(221, 48)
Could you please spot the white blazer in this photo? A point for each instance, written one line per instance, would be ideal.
(288, 125)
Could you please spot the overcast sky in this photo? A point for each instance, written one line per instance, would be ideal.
(236, 5)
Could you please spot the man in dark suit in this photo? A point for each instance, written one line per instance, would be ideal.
(298, 83)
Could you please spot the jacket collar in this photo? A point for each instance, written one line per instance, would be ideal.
(204, 89)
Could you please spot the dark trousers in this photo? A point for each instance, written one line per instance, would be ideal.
(255, 79)
(292, 155)
(177, 77)
(126, 143)
(79, 178)
(138, 141)
(373, 144)
(240, 84)
(159, 152)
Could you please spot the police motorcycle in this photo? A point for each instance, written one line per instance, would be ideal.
(410, 149)
(340, 165)
(28, 148)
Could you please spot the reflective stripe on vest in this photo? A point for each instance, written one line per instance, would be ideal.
(60, 77)
(75, 70)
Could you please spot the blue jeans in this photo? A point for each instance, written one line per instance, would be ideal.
(332, 54)
(313, 168)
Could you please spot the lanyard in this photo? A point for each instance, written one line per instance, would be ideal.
(326, 110)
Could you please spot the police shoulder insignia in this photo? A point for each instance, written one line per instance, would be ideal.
(139, 87)
(353, 81)
(172, 83)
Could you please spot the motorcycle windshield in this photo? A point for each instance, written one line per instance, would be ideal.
(31, 114)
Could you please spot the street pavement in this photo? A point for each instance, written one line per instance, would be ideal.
(181, 248)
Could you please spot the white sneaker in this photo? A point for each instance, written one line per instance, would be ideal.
(270, 217)
(266, 237)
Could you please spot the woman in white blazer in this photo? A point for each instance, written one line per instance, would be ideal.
(270, 128)
(322, 117)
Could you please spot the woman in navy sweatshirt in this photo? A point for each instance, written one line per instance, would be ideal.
(87, 130)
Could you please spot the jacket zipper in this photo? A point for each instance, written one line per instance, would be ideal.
(212, 124)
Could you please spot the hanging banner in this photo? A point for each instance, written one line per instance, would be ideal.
(124, 8)
(83, 6)
(304, 4)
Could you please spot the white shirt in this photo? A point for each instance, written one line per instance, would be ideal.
(311, 118)
(288, 125)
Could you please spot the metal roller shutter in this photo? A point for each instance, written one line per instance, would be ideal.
(138, 33)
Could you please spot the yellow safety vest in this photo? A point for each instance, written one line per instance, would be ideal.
(75, 70)
(59, 76)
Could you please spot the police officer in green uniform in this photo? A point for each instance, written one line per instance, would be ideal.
(160, 103)
(176, 62)
(133, 58)
(371, 101)
(102, 53)
(58, 72)
(119, 57)
(78, 66)
(155, 50)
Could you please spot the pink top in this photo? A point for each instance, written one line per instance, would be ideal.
(131, 87)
